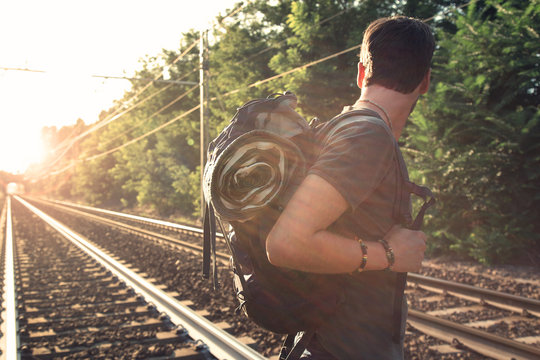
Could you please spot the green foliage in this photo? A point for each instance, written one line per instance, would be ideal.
(91, 183)
(473, 139)
(480, 131)
(319, 29)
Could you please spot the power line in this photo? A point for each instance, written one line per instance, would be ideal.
(257, 83)
(115, 117)
(260, 82)
(274, 46)
(102, 124)
(162, 126)
(236, 11)
(109, 76)
(146, 79)
(178, 98)
(132, 141)
(20, 69)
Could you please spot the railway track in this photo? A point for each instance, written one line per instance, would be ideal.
(69, 298)
(438, 323)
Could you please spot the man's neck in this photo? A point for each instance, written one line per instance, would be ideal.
(397, 106)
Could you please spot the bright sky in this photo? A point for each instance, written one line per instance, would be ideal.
(71, 40)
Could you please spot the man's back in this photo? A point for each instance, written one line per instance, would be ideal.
(361, 160)
(339, 220)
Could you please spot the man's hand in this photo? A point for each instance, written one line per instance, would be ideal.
(408, 246)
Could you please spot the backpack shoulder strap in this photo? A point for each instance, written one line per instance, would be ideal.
(291, 350)
(210, 221)
(342, 120)
(426, 195)
(366, 115)
(209, 243)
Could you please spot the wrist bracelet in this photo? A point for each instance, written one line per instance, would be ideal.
(364, 254)
(389, 254)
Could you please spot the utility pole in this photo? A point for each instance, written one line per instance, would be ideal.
(203, 88)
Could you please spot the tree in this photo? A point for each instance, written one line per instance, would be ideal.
(319, 29)
(473, 138)
(476, 136)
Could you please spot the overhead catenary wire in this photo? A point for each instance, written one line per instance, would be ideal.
(132, 141)
(235, 11)
(108, 76)
(101, 124)
(97, 156)
(72, 137)
(21, 69)
(178, 98)
(260, 82)
(155, 113)
(145, 79)
(276, 45)
(162, 126)
(257, 83)
(161, 109)
(114, 116)
(68, 142)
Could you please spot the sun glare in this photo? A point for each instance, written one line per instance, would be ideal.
(67, 43)
(20, 151)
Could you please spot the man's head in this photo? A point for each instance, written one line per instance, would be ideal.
(396, 53)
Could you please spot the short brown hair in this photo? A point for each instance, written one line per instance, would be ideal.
(396, 53)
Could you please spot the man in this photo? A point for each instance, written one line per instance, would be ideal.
(353, 197)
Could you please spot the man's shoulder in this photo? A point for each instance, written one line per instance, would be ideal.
(354, 156)
(355, 126)
(353, 122)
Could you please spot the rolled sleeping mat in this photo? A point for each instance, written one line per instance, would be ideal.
(250, 173)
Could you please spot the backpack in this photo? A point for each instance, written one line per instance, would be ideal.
(253, 167)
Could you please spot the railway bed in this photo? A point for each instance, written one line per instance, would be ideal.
(72, 303)
(505, 280)
(70, 306)
(418, 345)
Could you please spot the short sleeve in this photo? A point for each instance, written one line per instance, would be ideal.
(355, 159)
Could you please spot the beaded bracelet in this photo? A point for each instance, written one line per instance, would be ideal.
(389, 254)
(364, 254)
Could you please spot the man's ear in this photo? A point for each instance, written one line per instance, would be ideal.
(424, 85)
(361, 74)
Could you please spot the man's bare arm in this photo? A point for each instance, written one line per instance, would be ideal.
(299, 239)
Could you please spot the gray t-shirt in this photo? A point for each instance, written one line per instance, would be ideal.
(363, 162)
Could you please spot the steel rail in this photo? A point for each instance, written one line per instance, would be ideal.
(3, 328)
(12, 335)
(477, 340)
(142, 232)
(476, 294)
(168, 224)
(497, 299)
(480, 341)
(220, 343)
